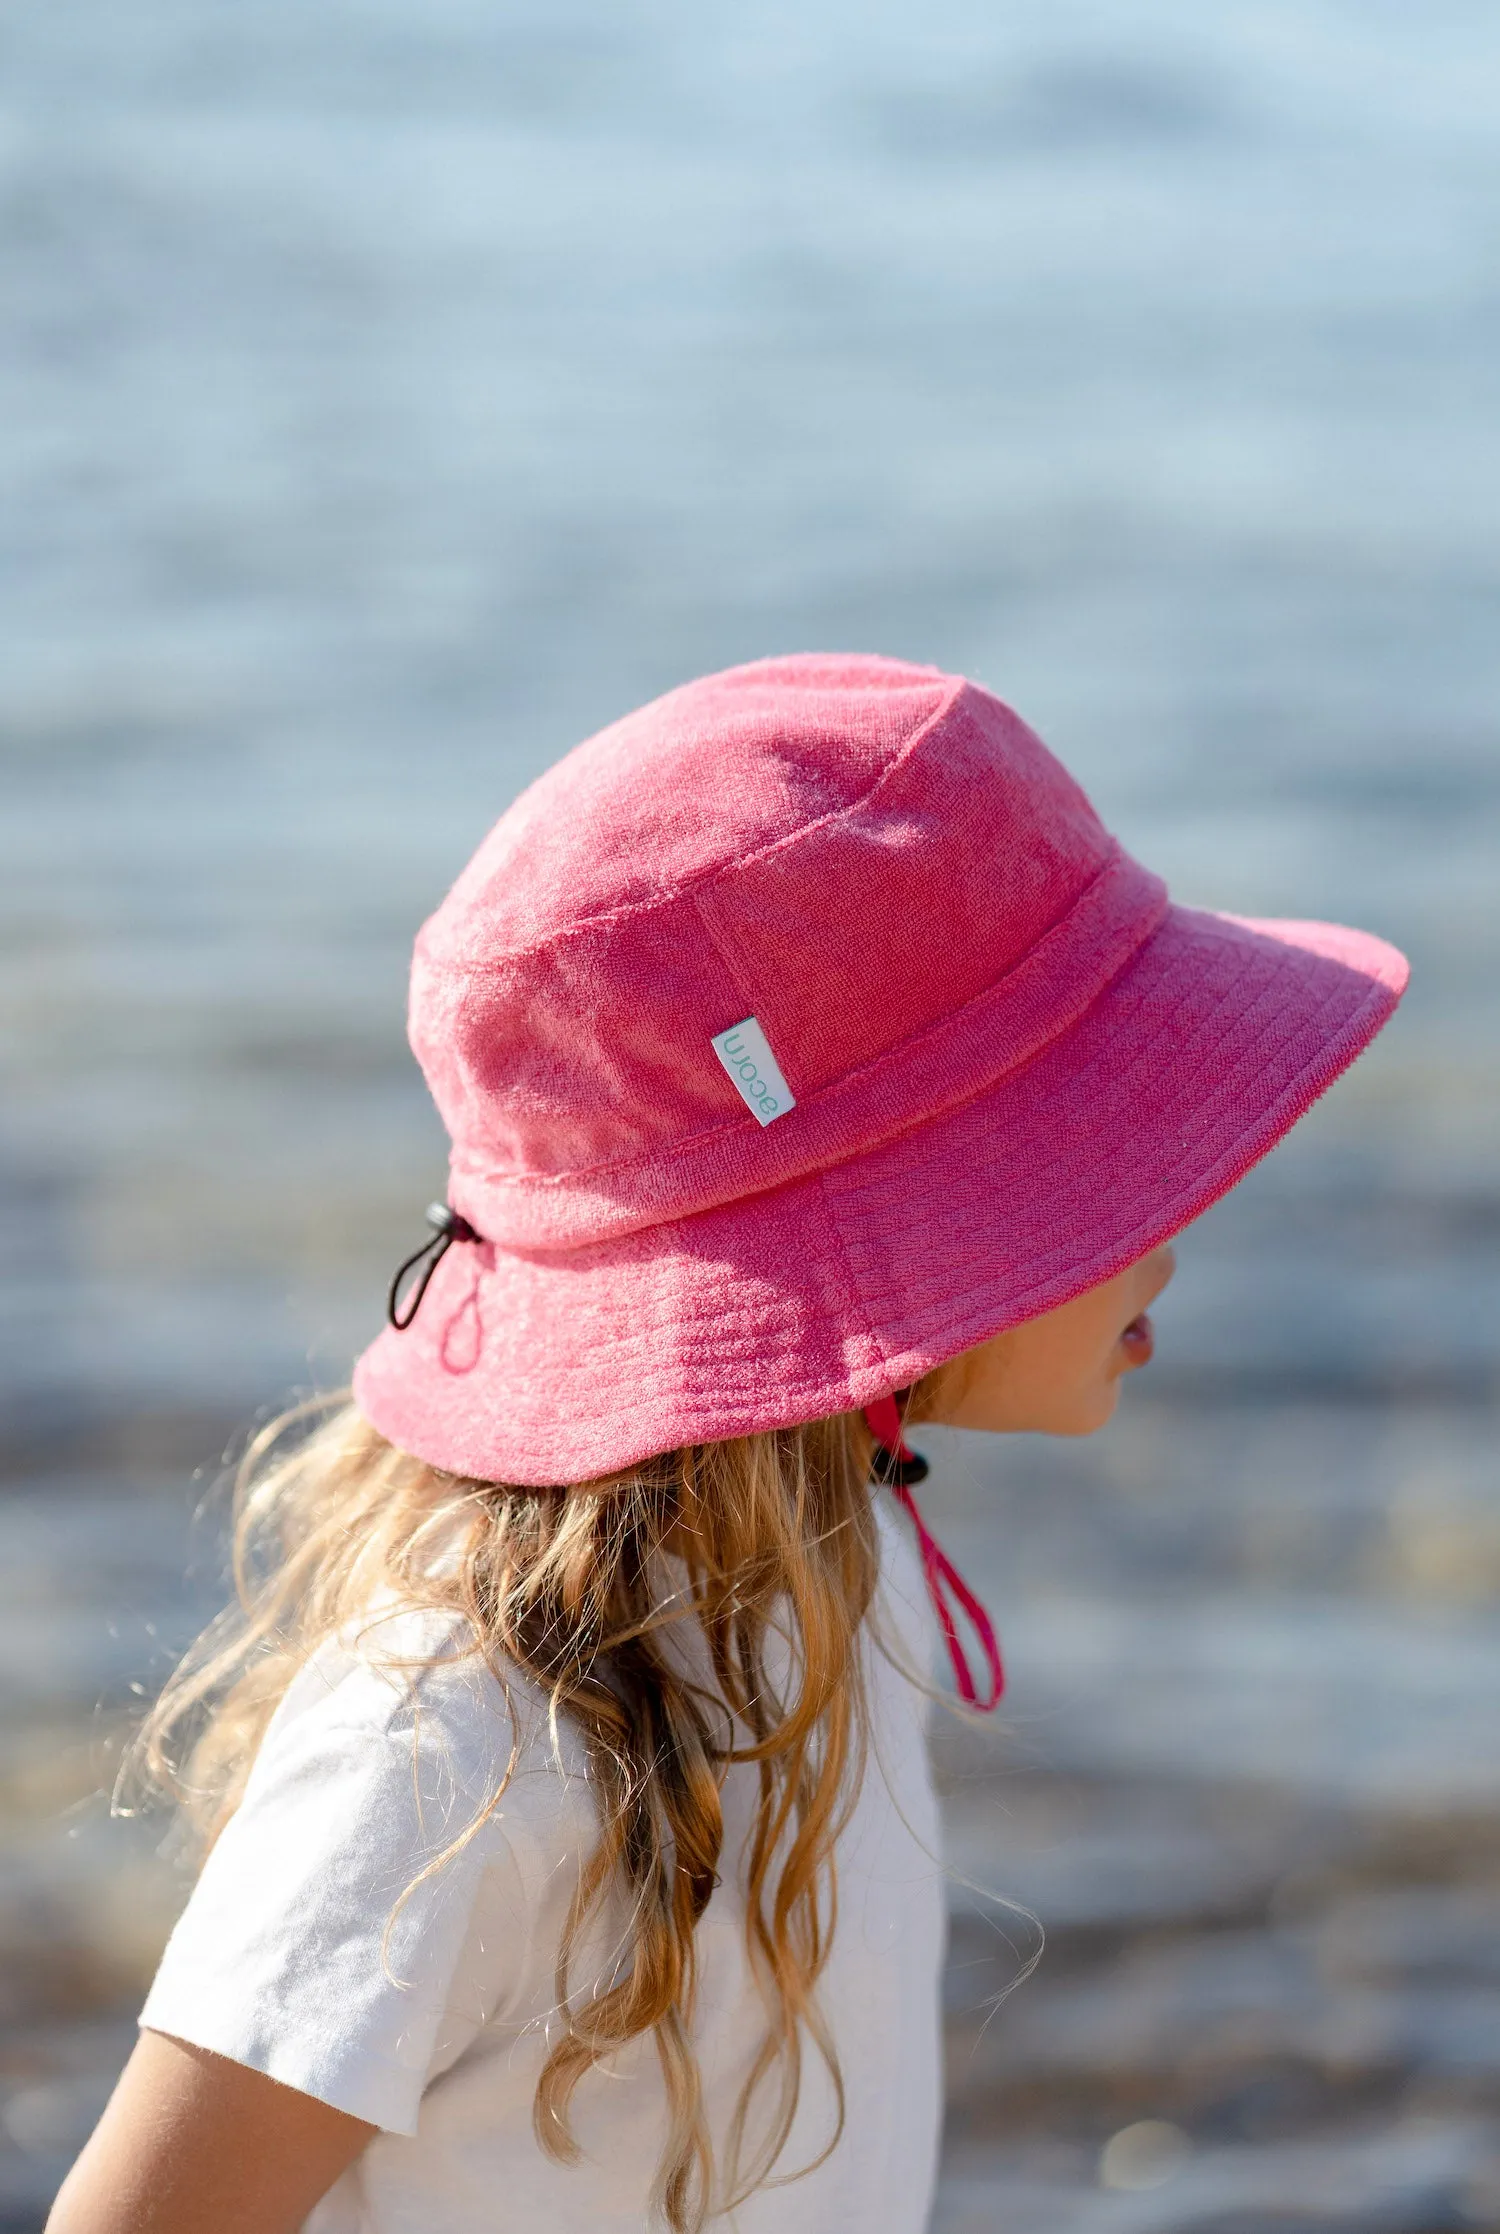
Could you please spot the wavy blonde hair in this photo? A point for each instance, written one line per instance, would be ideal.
(776, 1534)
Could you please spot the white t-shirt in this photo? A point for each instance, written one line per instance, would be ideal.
(434, 2023)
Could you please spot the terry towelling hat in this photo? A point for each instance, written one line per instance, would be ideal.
(794, 1034)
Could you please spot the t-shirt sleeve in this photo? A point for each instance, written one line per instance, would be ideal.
(313, 1947)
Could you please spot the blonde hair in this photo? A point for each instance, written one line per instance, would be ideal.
(776, 1534)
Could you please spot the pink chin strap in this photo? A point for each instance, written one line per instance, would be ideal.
(898, 1467)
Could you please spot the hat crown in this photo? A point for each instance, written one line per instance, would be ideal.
(691, 783)
(879, 862)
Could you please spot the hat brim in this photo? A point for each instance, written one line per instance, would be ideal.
(813, 1298)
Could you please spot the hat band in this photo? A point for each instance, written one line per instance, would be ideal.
(936, 1069)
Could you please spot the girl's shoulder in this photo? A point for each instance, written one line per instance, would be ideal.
(406, 1702)
(406, 1697)
(384, 1887)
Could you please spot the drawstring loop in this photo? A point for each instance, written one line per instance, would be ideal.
(898, 1466)
(448, 1227)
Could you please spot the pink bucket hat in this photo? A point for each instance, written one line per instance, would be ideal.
(794, 1034)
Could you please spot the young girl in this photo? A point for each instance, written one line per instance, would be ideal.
(814, 1062)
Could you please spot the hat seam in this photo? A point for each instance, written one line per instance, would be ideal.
(1335, 1044)
(1336, 1047)
(736, 1125)
(1342, 1049)
(855, 1290)
(686, 887)
(1296, 1098)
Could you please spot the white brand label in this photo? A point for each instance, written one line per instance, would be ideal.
(746, 1054)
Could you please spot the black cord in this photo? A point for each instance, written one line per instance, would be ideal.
(448, 1227)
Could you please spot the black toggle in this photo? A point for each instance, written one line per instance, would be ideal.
(448, 1226)
(896, 1472)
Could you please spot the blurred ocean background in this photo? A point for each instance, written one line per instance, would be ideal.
(389, 396)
